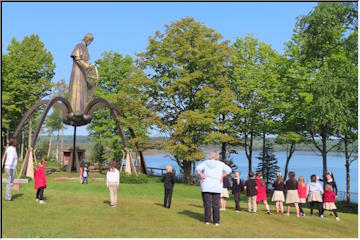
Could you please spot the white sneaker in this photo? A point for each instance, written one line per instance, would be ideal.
(42, 202)
(207, 223)
(217, 224)
(321, 216)
(37, 200)
(337, 218)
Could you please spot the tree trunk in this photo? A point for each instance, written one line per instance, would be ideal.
(194, 174)
(57, 147)
(62, 141)
(30, 130)
(186, 166)
(22, 144)
(288, 157)
(223, 152)
(263, 155)
(323, 153)
(248, 149)
(49, 149)
(347, 165)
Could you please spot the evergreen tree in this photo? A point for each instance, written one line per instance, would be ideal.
(270, 167)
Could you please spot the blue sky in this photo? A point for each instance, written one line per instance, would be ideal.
(125, 27)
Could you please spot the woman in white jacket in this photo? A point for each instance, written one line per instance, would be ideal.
(112, 182)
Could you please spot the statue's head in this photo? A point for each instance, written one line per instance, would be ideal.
(88, 38)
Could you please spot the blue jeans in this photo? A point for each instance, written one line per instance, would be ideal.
(85, 180)
(9, 182)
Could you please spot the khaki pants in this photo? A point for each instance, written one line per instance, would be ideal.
(252, 201)
(113, 187)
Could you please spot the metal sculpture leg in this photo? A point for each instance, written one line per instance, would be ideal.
(27, 168)
(35, 107)
(99, 102)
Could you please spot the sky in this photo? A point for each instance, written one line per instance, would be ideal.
(125, 27)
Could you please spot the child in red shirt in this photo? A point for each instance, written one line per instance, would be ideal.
(329, 200)
(40, 181)
(302, 188)
(261, 191)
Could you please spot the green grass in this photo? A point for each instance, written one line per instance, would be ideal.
(75, 210)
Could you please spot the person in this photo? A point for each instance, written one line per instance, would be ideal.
(112, 182)
(292, 195)
(261, 191)
(330, 180)
(40, 181)
(302, 188)
(236, 189)
(314, 195)
(169, 181)
(212, 172)
(10, 166)
(250, 189)
(80, 89)
(278, 195)
(85, 174)
(224, 193)
(329, 200)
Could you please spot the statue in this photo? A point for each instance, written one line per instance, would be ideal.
(82, 80)
(77, 110)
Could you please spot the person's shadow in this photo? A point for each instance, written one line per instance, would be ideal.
(16, 195)
(106, 202)
(196, 215)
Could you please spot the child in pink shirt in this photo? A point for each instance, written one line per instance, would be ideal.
(302, 194)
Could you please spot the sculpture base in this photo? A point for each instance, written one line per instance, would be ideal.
(77, 119)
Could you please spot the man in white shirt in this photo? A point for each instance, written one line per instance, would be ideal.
(9, 166)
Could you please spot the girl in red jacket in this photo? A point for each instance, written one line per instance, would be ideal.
(261, 191)
(40, 181)
(329, 200)
(302, 188)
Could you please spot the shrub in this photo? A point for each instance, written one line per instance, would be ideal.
(132, 178)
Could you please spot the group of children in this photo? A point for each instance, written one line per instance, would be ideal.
(297, 192)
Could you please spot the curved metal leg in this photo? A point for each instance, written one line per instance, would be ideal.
(28, 114)
(100, 102)
(43, 116)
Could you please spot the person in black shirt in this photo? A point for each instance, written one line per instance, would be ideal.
(169, 181)
(236, 189)
(250, 189)
(225, 193)
(278, 195)
(292, 195)
(331, 181)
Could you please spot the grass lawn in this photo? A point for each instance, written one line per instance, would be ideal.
(75, 210)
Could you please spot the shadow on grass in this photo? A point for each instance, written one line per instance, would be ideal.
(14, 196)
(196, 215)
(159, 204)
(195, 205)
(107, 202)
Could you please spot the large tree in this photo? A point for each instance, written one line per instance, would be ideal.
(255, 82)
(27, 70)
(185, 63)
(317, 43)
(120, 83)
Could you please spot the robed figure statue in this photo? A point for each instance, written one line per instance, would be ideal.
(83, 78)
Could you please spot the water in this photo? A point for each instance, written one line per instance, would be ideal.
(303, 163)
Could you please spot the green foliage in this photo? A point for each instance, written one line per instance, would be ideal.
(186, 64)
(133, 179)
(270, 167)
(119, 83)
(27, 70)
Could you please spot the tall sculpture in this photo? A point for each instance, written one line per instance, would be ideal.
(77, 110)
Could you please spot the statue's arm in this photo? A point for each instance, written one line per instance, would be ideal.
(83, 64)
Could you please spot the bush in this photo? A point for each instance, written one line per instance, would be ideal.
(132, 178)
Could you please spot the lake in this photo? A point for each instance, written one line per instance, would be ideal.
(303, 163)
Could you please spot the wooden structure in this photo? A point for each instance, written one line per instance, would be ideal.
(66, 156)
